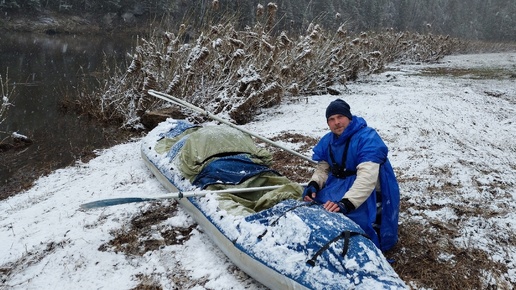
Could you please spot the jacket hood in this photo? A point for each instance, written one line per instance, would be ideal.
(354, 126)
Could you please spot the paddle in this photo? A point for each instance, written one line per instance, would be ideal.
(178, 195)
(183, 103)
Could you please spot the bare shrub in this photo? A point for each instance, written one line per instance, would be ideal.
(6, 95)
(238, 72)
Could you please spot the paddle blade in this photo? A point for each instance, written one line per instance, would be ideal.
(113, 201)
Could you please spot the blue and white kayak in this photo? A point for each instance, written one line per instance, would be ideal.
(289, 244)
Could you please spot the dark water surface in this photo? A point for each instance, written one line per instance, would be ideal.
(43, 69)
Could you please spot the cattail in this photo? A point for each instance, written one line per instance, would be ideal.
(215, 4)
(283, 39)
(236, 42)
(259, 10)
(342, 31)
(150, 82)
(375, 54)
(315, 34)
(310, 28)
(307, 53)
(135, 66)
(273, 88)
(285, 70)
(157, 58)
(272, 8)
(174, 84)
(268, 47)
(238, 54)
(182, 29)
(216, 43)
(167, 38)
(214, 30)
(197, 55)
(269, 64)
(293, 89)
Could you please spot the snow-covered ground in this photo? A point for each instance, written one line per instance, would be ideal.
(451, 141)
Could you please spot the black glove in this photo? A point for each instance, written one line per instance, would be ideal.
(345, 206)
(312, 187)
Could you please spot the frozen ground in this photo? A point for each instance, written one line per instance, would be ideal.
(450, 128)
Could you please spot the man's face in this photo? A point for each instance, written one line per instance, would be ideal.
(338, 123)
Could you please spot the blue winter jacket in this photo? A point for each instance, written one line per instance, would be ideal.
(365, 145)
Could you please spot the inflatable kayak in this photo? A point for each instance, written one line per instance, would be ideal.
(279, 240)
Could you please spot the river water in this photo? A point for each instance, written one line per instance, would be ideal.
(42, 69)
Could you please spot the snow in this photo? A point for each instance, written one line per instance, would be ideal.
(451, 142)
(19, 136)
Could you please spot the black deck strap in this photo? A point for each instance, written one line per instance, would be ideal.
(340, 171)
(284, 213)
(346, 235)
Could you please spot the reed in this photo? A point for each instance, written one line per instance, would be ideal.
(6, 96)
(238, 72)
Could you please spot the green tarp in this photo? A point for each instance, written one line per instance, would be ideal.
(204, 144)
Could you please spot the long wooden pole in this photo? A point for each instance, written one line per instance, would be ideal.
(183, 103)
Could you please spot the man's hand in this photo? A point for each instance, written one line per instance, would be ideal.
(331, 206)
(310, 191)
(344, 206)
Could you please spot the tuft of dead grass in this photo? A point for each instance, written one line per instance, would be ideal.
(296, 169)
(472, 73)
(30, 258)
(427, 256)
(147, 283)
(145, 233)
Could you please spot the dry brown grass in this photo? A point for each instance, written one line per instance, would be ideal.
(128, 240)
(427, 256)
(296, 169)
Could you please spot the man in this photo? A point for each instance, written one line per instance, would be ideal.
(354, 176)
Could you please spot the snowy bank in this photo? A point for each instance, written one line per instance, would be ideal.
(451, 141)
